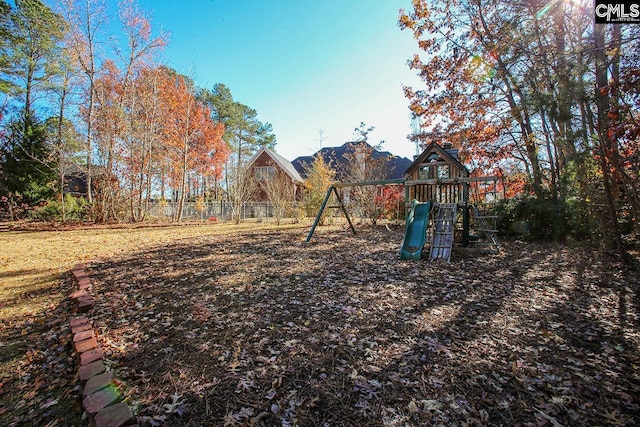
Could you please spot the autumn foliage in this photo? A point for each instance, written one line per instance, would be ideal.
(138, 129)
(512, 86)
(192, 140)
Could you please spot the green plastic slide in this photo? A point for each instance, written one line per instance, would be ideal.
(415, 233)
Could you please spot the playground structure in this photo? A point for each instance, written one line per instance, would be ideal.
(445, 206)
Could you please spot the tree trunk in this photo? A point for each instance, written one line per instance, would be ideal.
(62, 210)
(605, 138)
(89, 171)
(183, 184)
(61, 166)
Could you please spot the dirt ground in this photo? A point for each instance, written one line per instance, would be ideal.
(259, 328)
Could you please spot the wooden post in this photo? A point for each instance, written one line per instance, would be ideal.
(406, 200)
(465, 215)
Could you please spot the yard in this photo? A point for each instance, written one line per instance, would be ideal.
(251, 326)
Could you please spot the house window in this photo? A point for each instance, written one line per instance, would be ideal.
(265, 173)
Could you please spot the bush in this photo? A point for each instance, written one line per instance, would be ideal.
(392, 203)
(76, 209)
(297, 212)
(13, 207)
(545, 219)
(50, 212)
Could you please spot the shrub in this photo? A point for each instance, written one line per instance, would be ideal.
(51, 211)
(546, 219)
(75, 209)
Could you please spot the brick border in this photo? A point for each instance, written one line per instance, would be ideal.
(101, 398)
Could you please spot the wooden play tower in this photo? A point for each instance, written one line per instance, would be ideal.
(437, 176)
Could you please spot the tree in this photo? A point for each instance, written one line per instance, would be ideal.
(29, 170)
(30, 39)
(107, 129)
(36, 42)
(62, 135)
(319, 177)
(512, 85)
(6, 38)
(363, 165)
(280, 191)
(86, 20)
(143, 158)
(194, 141)
(244, 135)
(241, 188)
(140, 104)
(119, 124)
(65, 146)
(454, 105)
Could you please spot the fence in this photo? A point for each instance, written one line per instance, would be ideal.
(224, 210)
(221, 210)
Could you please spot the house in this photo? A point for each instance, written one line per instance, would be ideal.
(337, 159)
(437, 161)
(267, 166)
(75, 181)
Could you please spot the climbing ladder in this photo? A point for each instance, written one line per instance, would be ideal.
(490, 232)
(443, 231)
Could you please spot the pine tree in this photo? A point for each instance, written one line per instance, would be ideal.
(29, 169)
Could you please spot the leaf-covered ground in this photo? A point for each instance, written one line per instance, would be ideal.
(262, 329)
(38, 364)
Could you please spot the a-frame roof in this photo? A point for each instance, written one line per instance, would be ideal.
(280, 161)
(444, 154)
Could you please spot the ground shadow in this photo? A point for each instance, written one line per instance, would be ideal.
(261, 329)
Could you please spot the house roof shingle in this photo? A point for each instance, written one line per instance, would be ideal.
(335, 158)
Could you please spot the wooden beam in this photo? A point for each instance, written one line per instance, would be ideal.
(459, 180)
(368, 183)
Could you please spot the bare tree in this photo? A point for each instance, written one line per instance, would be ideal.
(365, 164)
(241, 188)
(86, 19)
(280, 192)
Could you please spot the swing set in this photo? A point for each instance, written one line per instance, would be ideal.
(439, 188)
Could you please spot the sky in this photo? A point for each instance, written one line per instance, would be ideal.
(313, 69)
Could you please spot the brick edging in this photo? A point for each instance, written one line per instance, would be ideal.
(101, 398)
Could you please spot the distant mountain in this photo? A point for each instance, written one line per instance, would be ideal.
(336, 159)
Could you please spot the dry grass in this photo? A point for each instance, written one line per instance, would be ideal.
(224, 325)
(33, 291)
(31, 262)
(259, 329)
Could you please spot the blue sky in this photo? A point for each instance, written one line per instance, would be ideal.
(303, 65)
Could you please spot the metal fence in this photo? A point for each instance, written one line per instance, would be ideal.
(220, 210)
(224, 211)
